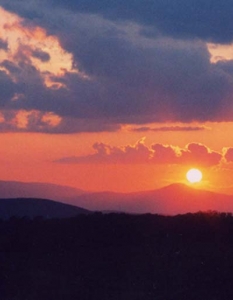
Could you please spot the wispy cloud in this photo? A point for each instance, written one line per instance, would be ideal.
(170, 128)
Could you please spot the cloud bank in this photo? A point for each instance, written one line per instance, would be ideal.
(96, 65)
(186, 19)
(194, 154)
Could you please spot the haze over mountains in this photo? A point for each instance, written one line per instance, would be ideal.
(15, 189)
(170, 200)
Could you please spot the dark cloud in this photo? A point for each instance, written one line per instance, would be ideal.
(3, 45)
(152, 82)
(187, 19)
(193, 155)
(45, 122)
(7, 87)
(75, 125)
(10, 67)
(25, 121)
(206, 19)
(129, 78)
(41, 55)
(169, 128)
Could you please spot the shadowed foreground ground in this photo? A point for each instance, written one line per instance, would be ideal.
(116, 257)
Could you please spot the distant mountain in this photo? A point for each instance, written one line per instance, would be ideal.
(26, 207)
(170, 200)
(15, 189)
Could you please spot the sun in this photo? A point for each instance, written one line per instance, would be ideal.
(194, 175)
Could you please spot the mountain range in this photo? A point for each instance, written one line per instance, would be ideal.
(170, 200)
(15, 189)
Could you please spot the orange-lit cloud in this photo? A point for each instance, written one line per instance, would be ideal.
(28, 121)
(20, 42)
(228, 154)
(198, 154)
(193, 154)
(220, 52)
(46, 122)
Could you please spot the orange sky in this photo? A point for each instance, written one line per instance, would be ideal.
(31, 156)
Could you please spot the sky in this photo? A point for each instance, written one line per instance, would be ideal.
(116, 95)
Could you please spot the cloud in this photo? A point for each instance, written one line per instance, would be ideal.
(104, 153)
(47, 122)
(185, 19)
(170, 128)
(8, 88)
(82, 64)
(28, 121)
(140, 82)
(228, 154)
(193, 155)
(199, 154)
(155, 81)
(3, 45)
(41, 55)
(165, 154)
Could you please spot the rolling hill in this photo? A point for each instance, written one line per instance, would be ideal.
(26, 207)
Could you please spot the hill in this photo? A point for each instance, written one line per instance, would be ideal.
(26, 207)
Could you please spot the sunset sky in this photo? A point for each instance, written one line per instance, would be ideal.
(116, 95)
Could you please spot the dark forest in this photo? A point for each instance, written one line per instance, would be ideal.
(117, 256)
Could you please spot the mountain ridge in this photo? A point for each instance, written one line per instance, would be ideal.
(176, 198)
(34, 207)
(17, 189)
(168, 200)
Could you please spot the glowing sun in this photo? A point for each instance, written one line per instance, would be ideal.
(194, 175)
